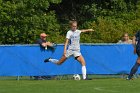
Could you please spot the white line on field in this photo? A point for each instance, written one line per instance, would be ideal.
(103, 89)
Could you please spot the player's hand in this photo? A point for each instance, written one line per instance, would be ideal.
(90, 30)
(134, 50)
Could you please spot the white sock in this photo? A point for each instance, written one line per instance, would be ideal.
(53, 60)
(84, 72)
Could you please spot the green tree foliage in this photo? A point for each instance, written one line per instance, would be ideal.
(111, 23)
(109, 18)
(21, 21)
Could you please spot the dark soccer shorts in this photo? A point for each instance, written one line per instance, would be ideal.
(138, 53)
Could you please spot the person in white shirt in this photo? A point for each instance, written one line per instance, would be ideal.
(72, 47)
(125, 39)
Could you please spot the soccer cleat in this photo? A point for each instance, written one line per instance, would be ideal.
(38, 78)
(47, 60)
(128, 78)
(87, 79)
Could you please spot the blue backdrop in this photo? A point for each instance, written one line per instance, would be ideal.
(27, 60)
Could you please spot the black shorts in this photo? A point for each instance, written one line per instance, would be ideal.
(138, 53)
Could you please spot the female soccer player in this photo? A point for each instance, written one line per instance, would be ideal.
(72, 47)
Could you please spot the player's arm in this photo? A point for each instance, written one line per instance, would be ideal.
(87, 30)
(65, 45)
(134, 44)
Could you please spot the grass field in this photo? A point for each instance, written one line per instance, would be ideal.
(70, 86)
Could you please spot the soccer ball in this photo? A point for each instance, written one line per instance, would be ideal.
(76, 77)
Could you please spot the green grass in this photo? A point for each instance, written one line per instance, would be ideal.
(70, 86)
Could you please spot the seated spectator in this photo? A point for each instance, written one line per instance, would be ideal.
(44, 45)
(125, 39)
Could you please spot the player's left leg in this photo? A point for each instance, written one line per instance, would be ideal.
(58, 62)
(62, 60)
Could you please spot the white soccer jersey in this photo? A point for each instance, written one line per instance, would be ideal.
(74, 39)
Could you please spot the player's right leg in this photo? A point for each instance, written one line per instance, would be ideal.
(82, 62)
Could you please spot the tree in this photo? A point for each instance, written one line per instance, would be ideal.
(110, 18)
(23, 20)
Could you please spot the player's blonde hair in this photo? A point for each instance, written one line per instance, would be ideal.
(72, 22)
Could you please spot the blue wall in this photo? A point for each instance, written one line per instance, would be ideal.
(27, 60)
